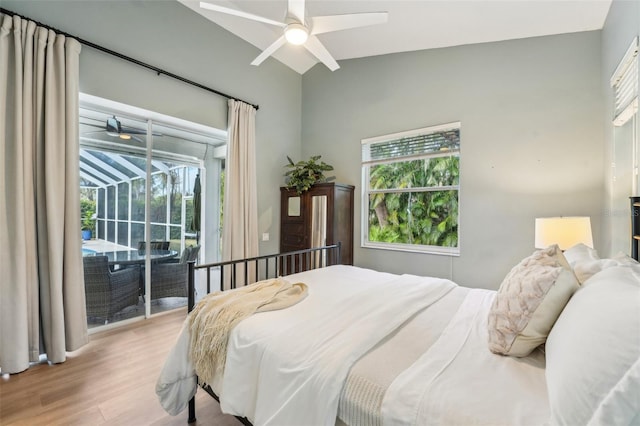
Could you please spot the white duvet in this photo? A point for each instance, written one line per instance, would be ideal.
(288, 367)
(458, 381)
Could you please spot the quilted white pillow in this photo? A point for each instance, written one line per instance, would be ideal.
(529, 301)
(593, 352)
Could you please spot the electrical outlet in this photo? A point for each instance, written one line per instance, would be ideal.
(265, 236)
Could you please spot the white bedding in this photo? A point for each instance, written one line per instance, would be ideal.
(296, 371)
(459, 381)
(281, 371)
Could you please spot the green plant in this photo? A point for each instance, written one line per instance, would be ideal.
(88, 224)
(87, 214)
(303, 174)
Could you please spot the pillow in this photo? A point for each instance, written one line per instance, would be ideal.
(585, 269)
(529, 301)
(593, 352)
(580, 253)
(624, 259)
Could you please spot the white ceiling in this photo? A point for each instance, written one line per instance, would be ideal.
(413, 24)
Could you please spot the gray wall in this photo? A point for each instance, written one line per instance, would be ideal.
(531, 111)
(621, 26)
(170, 36)
(532, 131)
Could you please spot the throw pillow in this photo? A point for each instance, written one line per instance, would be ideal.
(529, 301)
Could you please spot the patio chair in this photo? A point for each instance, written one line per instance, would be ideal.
(170, 279)
(108, 292)
(189, 254)
(154, 245)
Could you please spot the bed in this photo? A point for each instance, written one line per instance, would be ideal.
(368, 348)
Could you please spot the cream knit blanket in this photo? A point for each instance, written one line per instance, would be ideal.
(216, 314)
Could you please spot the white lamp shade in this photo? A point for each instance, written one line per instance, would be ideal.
(563, 231)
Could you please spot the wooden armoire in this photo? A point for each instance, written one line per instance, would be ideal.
(323, 215)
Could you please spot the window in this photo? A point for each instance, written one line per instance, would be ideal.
(625, 86)
(625, 152)
(411, 188)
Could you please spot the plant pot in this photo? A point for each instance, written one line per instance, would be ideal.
(86, 234)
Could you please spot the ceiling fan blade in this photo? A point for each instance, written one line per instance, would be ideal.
(98, 126)
(318, 50)
(296, 9)
(241, 14)
(325, 24)
(134, 131)
(269, 51)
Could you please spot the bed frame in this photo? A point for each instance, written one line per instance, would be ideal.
(261, 267)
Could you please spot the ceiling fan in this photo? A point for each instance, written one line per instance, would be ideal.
(114, 127)
(300, 31)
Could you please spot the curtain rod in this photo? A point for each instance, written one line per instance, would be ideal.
(159, 71)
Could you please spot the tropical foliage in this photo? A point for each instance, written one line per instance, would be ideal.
(413, 207)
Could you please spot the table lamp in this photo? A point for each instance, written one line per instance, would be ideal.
(563, 231)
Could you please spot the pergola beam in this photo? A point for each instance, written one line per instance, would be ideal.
(91, 170)
(128, 164)
(90, 178)
(160, 166)
(108, 168)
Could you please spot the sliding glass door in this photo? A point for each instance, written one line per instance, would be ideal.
(143, 184)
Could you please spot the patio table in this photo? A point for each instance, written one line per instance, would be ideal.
(129, 257)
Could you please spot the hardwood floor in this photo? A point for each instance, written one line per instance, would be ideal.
(110, 381)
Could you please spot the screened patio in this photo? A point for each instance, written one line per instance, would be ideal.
(138, 173)
(117, 184)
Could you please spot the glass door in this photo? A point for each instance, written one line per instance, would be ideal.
(143, 185)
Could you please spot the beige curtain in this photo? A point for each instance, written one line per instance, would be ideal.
(319, 226)
(240, 226)
(42, 286)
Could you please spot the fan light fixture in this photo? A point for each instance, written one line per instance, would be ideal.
(296, 34)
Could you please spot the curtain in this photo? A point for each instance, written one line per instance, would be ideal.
(319, 226)
(42, 287)
(240, 210)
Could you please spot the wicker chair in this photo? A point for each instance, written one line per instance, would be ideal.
(154, 245)
(170, 279)
(108, 292)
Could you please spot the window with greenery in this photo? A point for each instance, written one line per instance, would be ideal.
(411, 190)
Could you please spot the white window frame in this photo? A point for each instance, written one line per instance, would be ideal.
(624, 82)
(366, 190)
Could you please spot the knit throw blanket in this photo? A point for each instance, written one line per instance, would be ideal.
(213, 318)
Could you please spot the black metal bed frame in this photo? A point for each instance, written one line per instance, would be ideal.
(282, 264)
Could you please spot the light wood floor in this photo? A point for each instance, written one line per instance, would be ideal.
(110, 381)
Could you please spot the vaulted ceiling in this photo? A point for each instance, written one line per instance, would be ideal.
(412, 24)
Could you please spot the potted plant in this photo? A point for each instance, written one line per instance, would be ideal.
(88, 224)
(303, 174)
(88, 218)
